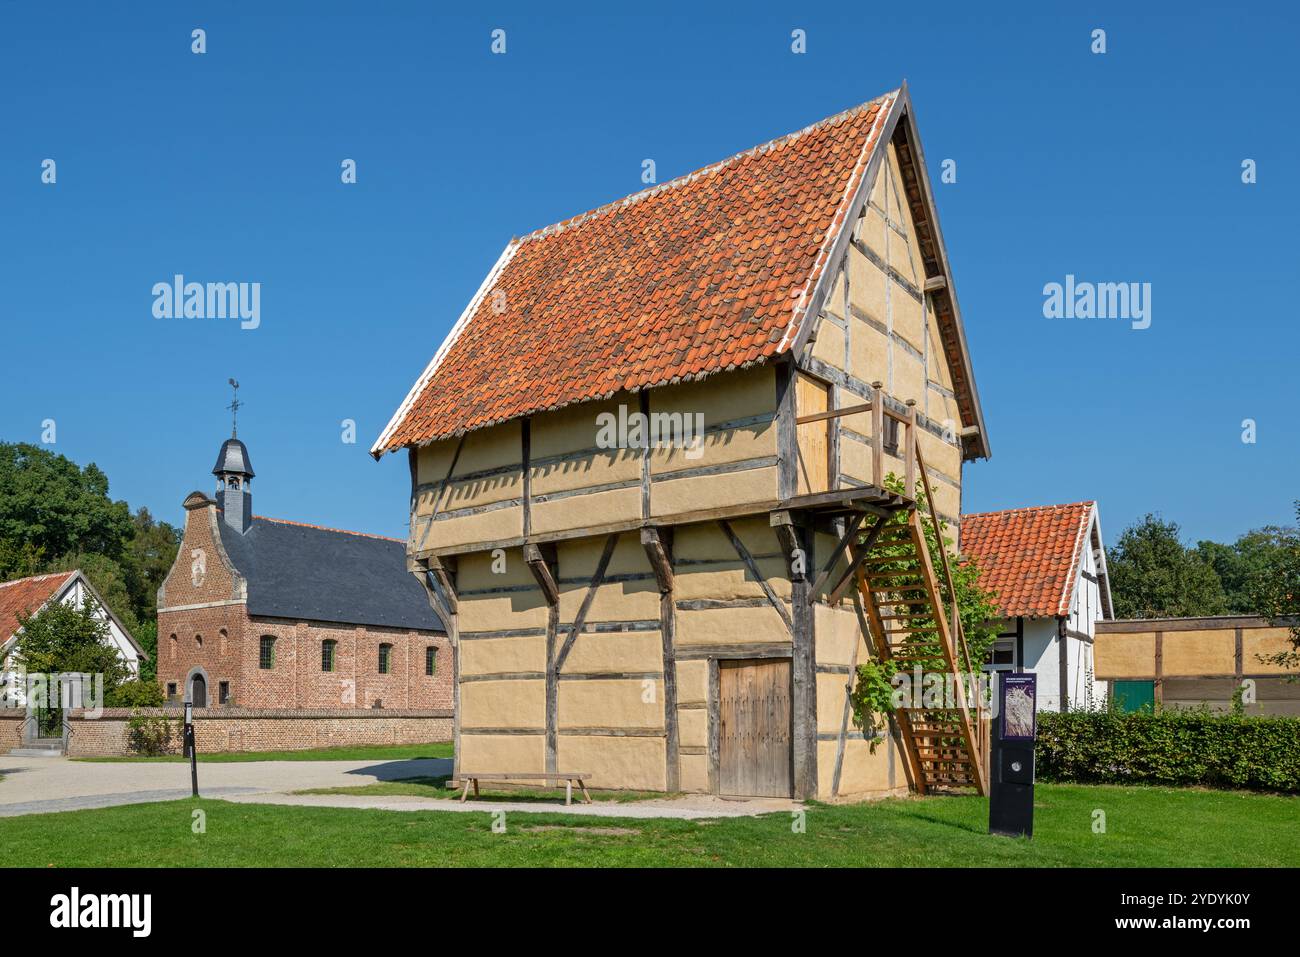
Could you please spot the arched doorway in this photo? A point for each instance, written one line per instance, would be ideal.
(199, 691)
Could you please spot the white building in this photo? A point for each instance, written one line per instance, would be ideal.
(27, 596)
(1048, 567)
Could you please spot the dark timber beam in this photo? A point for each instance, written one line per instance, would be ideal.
(797, 544)
(841, 547)
(439, 580)
(783, 522)
(542, 563)
(658, 545)
(841, 586)
(444, 578)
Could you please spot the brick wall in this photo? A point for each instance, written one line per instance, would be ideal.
(203, 622)
(240, 729)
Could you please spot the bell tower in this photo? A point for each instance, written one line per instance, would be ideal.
(234, 474)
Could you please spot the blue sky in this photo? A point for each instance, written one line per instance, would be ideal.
(1124, 166)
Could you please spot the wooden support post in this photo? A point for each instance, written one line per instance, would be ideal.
(803, 666)
(1159, 683)
(841, 549)
(439, 581)
(1063, 663)
(878, 434)
(658, 548)
(909, 453)
(542, 563)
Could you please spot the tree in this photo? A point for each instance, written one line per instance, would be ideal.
(49, 506)
(1276, 594)
(57, 516)
(146, 561)
(1153, 575)
(1244, 566)
(66, 637)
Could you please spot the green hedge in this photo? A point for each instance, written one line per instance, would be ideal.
(1183, 747)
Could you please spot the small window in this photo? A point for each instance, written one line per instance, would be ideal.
(171, 689)
(890, 438)
(266, 656)
(198, 641)
(327, 654)
(385, 658)
(1002, 656)
(223, 692)
(430, 661)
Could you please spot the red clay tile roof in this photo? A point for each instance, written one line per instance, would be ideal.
(1029, 556)
(709, 272)
(26, 596)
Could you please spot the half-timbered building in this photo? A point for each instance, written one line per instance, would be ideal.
(649, 470)
(1047, 566)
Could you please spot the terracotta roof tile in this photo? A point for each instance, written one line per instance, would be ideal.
(1029, 556)
(705, 273)
(26, 596)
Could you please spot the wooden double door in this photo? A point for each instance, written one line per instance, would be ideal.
(755, 733)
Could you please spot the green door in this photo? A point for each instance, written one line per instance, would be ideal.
(1134, 695)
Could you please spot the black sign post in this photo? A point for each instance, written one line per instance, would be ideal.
(1011, 790)
(190, 749)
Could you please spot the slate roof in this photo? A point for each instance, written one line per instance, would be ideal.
(26, 596)
(1029, 556)
(325, 574)
(233, 457)
(706, 273)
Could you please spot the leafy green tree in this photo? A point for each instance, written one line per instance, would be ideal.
(146, 633)
(66, 637)
(136, 693)
(50, 506)
(1276, 594)
(1244, 566)
(1154, 575)
(57, 516)
(147, 559)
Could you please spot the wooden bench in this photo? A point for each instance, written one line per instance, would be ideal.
(474, 777)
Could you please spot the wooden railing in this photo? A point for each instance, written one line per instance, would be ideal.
(879, 409)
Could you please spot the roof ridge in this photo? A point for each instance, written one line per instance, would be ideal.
(36, 578)
(1090, 503)
(685, 178)
(1076, 563)
(325, 528)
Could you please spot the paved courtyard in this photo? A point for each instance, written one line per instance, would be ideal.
(44, 785)
(41, 785)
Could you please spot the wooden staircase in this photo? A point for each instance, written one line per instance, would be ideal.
(900, 596)
(900, 599)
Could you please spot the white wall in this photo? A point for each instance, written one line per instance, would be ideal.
(14, 688)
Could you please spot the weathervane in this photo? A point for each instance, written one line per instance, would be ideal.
(234, 409)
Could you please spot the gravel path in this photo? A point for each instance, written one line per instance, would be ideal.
(41, 785)
(44, 785)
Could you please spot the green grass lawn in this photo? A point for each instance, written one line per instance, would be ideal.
(1144, 827)
(379, 752)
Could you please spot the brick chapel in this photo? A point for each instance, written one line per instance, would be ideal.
(265, 613)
